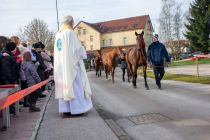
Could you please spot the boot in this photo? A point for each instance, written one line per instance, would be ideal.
(26, 103)
(33, 108)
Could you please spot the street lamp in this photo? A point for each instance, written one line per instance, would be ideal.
(57, 13)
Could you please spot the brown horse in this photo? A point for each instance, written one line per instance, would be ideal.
(136, 57)
(108, 59)
(98, 64)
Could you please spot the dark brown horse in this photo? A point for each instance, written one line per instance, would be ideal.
(108, 59)
(98, 64)
(136, 57)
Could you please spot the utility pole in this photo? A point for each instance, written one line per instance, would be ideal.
(57, 13)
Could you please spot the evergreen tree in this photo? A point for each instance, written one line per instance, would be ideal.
(198, 27)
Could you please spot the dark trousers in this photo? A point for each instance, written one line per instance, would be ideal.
(34, 96)
(42, 77)
(159, 73)
(24, 86)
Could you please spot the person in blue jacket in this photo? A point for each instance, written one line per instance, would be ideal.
(157, 55)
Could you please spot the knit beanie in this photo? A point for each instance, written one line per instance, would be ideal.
(10, 46)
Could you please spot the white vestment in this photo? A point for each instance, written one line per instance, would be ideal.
(71, 83)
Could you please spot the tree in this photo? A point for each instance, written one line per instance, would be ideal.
(165, 19)
(198, 26)
(171, 26)
(37, 30)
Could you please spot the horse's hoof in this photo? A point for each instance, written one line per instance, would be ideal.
(147, 88)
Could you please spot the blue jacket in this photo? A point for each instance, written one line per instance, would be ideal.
(1, 56)
(157, 53)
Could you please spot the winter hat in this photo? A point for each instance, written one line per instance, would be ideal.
(10, 46)
(156, 36)
(42, 45)
(37, 45)
(68, 19)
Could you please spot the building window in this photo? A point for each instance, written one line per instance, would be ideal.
(91, 47)
(103, 42)
(91, 38)
(110, 42)
(84, 31)
(124, 40)
(79, 32)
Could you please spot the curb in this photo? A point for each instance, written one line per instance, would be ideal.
(39, 121)
(117, 130)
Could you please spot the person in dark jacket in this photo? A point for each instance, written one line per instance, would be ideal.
(157, 55)
(9, 71)
(39, 63)
(123, 64)
(31, 76)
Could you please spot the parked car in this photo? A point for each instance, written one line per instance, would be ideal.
(185, 55)
(197, 53)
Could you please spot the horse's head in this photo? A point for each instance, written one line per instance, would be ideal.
(140, 39)
(118, 51)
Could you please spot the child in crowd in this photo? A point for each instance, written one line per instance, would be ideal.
(29, 73)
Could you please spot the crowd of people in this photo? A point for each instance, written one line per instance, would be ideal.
(25, 65)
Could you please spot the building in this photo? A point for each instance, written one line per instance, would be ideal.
(114, 33)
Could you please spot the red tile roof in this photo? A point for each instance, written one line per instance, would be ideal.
(125, 24)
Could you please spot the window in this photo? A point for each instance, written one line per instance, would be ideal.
(103, 42)
(110, 42)
(79, 31)
(124, 40)
(91, 47)
(84, 31)
(91, 38)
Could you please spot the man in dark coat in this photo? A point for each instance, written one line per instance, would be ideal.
(9, 69)
(39, 63)
(157, 55)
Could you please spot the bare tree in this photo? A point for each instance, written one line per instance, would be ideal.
(37, 30)
(166, 19)
(171, 27)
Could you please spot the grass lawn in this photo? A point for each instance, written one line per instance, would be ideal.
(181, 77)
(191, 62)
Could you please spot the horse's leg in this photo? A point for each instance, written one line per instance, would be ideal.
(145, 77)
(106, 71)
(123, 74)
(113, 69)
(100, 71)
(134, 75)
(129, 69)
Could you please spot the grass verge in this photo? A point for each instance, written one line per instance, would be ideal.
(191, 62)
(181, 77)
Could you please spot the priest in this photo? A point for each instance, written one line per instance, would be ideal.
(72, 87)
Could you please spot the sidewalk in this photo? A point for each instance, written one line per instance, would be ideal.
(190, 70)
(88, 127)
(22, 127)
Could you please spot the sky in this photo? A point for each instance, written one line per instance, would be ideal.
(16, 14)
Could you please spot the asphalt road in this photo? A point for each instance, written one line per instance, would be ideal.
(181, 111)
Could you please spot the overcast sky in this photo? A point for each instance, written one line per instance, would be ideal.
(18, 13)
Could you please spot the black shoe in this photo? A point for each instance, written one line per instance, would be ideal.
(34, 109)
(159, 86)
(42, 96)
(26, 105)
(65, 115)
